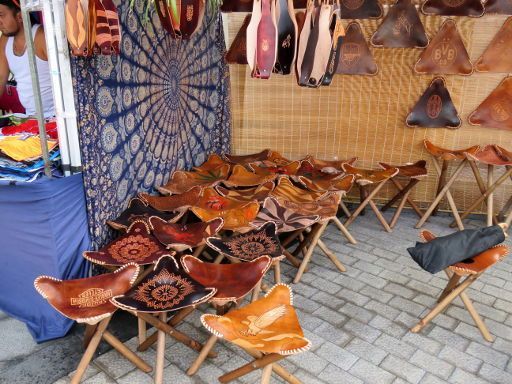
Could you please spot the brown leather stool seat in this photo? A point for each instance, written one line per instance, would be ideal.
(213, 163)
(172, 203)
(88, 301)
(269, 168)
(251, 245)
(241, 177)
(413, 173)
(137, 245)
(232, 281)
(183, 181)
(167, 288)
(268, 329)
(259, 193)
(329, 166)
(493, 156)
(365, 178)
(139, 209)
(461, 275)
(236, 215)
(246, 159)
(286, 190)
(443, 186)
(180, 237)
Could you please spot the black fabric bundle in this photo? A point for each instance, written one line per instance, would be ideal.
(437, 254)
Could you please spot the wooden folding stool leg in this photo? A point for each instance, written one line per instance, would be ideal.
(363, 204)
(316, 232)
(202, 355)
(89, 352)
(444, 191)
(252, 366)
(490, 198)
(173, 322)
(126, 352)
(403, 193)
(441, 181)
(401, 205)
(444, 303)
(331, 256)
(344, 230)
(160, 351)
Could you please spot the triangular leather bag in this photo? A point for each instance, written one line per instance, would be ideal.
(237, 53)
(360, 9)
(355, 56)
(496, 57)
(496, 110)
(472, 8)
(501, 7)
(435, 108)
(401, 28)
(446, 53)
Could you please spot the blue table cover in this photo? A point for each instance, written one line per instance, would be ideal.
(43, 231)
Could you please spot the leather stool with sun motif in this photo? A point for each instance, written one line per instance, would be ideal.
(87, 301)
(268, 329)
(167, 288)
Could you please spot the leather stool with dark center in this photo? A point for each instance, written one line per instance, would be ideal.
(461, 276)
(166, 289)
(267, 329)
(251, 245)
(413, 173)
(443, 186)
(87, 301)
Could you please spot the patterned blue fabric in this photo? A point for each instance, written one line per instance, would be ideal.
(160, 105)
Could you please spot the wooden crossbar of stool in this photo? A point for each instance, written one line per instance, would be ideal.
(460, 277)
(264, 363)
(414, 172)
(364, 178)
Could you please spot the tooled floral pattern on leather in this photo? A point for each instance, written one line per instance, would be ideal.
(132, 249)
(252, 246)
(164, 291)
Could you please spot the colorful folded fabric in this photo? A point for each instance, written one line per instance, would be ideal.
(23, 148)
(30, 126)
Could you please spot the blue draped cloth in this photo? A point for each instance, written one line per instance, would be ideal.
(158, 106)
(44, 231)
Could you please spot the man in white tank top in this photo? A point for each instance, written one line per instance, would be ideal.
(14, 58)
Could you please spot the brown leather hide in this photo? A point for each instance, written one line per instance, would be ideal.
(360, 9)
(173, 202)
(473, 8)
(493, 155)
(449, 154)
(401, 28)
(496, 110)
(251, 158)
(370, 176)
(266, 43)
(355, 56)
(237, 53)
(496, 58)
(87, 300)
(502, 7)
(268, 325)
(446, 53)
(414, 171)
(435, 108)
(232, 281)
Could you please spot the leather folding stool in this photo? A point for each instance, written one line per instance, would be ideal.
(461, 275)
(87, 301)
(443, 186)
(248, 246)
(166, 289)
(232, 281)
(267, 329)
(492, 156)
(413, 173)
(365, 178)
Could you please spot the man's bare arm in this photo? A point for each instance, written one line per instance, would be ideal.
(4, 65)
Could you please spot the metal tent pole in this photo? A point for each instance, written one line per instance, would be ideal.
(35, 84)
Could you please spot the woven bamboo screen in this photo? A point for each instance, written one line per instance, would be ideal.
(365, 116)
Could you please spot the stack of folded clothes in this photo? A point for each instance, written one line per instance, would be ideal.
(20, 150)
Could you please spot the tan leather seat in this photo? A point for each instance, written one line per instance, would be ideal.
(258, 193)
(449, 154)
(341, 184)
(246, 159)
(493, 155)
(286, 190)
(268, 325)
(369, 176)
(241, 177)
(182, 181)
(414, 171)
(213, 163)
(269, 167)
(179, 202)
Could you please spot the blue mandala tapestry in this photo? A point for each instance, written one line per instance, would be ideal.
(160, 105)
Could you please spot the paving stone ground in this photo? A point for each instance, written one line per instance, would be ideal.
(358, 323)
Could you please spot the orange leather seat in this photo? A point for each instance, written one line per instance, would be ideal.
(449, 154)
